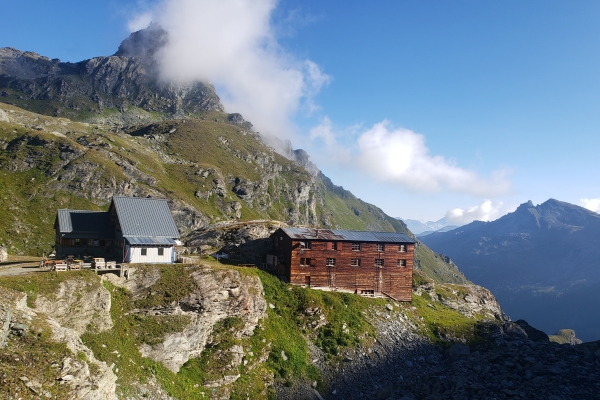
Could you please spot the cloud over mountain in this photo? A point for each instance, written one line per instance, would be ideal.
(485, 211)
(232, 44)
(591, 204)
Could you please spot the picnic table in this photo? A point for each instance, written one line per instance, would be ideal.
(75, 264)
(62, 266)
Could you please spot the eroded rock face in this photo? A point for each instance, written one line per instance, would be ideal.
(78, 305)
(220, 294)
(76, 372)
(86, 377)
(478, 300)
(125, 83)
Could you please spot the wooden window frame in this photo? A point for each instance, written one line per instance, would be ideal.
(379, 262)
(355, 262)
(402, 248)
(401, 263)
(330, 262)
(356, 246)
(379, 247)
(161, 251)
(144, 251)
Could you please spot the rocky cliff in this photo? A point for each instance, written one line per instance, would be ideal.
(44, 358)
(122, 89)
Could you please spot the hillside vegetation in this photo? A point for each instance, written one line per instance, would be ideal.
(210, 171)
(245, 353)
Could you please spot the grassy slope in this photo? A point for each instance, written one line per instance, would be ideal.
(28, 204)
(285, 331)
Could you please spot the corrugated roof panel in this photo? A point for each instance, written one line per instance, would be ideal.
(140, 240)
(355, 236)
(145, 217)
(94, 223)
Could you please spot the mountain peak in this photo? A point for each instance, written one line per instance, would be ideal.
(143, 43)
(525, 206)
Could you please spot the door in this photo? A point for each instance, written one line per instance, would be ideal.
(307, 280)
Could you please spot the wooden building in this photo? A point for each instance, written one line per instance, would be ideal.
(371, 263)
(134, 229)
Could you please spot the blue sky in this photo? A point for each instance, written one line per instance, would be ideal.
(419, 107)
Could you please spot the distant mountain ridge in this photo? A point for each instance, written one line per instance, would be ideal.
(444, 229)
(418, 227)
(542, 262)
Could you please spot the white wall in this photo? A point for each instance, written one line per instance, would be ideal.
(135, 255)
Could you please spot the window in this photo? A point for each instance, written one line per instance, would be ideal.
(305, 245)
(355, 246)
(161, 251)
(379, 262)
(402, 248)
(355, 262)
(77, 242)
(305, 261)
(379, 247)
(402, 263)
(330, 262)
(144, 251)
(334, 246)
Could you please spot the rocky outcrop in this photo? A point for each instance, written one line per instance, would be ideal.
(79, 305)
(220, 294)
(127, 84)
(245, 241)
(565, 336)
(3, 254)
(517, 366)
(22, 330)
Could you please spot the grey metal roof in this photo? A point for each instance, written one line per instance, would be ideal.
(343, 235)
(145, 217)
(140, 240)
(92, 224)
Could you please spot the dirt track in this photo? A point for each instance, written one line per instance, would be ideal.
(11, 268)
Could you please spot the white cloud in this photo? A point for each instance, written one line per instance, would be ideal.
(591, 204)
(486, 211)
(139, 22)
(401, 156)
(232, 44)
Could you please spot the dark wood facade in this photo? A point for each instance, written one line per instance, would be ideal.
(335, 260)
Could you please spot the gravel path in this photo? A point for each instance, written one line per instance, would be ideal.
(13, 268)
